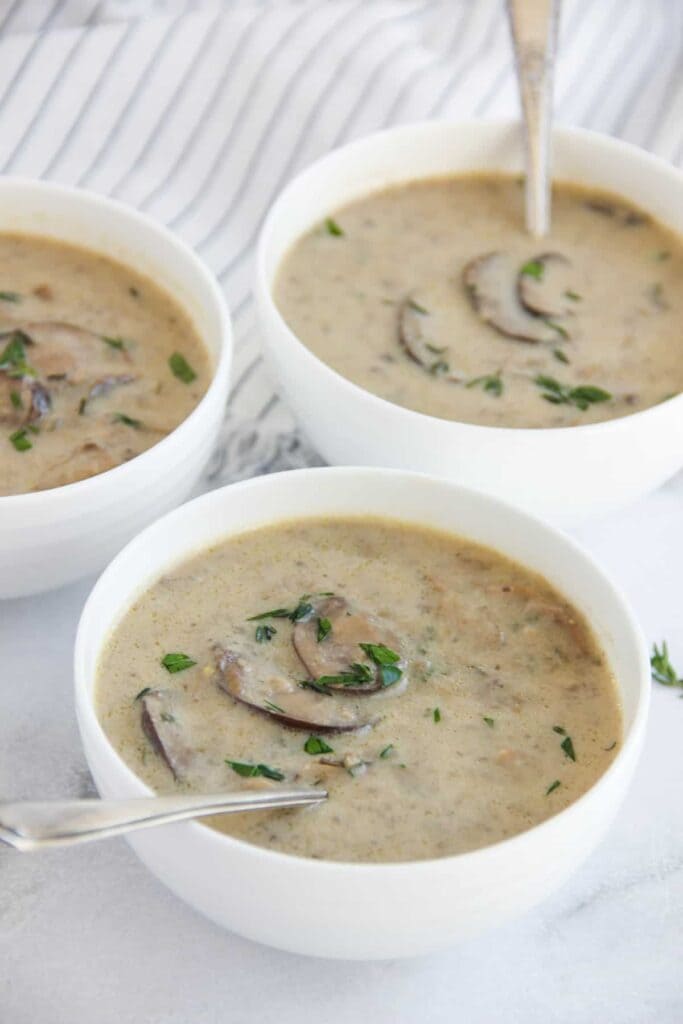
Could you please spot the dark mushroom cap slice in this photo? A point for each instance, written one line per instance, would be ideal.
(165, 732)
(491, 283)
(547, 289)
(340, 649)
(283, 699)
(63, 351)
(413, 337)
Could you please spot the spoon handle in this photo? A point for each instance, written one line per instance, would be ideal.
(26, 825)
(533, 24)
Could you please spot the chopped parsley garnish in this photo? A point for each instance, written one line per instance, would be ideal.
(316, 745)
(129, 421)
(436, 714)
(553, 324)
(15, 399)
(333, 228)
(553, 786)
(572, 296)
(492, 382)
(118, 343)
(20, 440)
(662, 670)
(490, 721)
(269, 706)
(301, 611)
(357, 675)
(143, 693)
(181, 368)
(13, 357)
(418, 309)
(559, 730)
(384, 754)
(10, 297)
(568, 748)
(559, 394)
(177, 662)
(561, 356)
(251, 771)
(264, 634)
(324, 628)
(386, 660)
(534, 268)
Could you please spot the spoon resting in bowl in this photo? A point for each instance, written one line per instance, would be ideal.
(533, 24)
(27, 825)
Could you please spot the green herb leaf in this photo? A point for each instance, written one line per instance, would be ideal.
(553, 324)
(316, 745)
(534, 268)
(389, 674)
(493, 383)
(589, 393)
(324, 628)
(357, 675)
(15, 399)
(559, 730)
(251, 771)
(380, 654)
(436, 715)
(419, 309)
(317, 685)
(143, 693)
(274, 613)
(268, 704)
(581, 396)
(13, 357)
(384, 754)
(118, 343)
(129, 421)
(572, 296)
(568, 748)
(177, 662)
(560, 355)
(490, 722)
(333, 228)
(302, 611)
(181, 368)
(553, 786)
(20, 440)
(10, 297)
(264, 634)
(662, 670)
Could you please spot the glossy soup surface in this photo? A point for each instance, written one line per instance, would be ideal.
(97, 363)
(415, 294)
(499, 712)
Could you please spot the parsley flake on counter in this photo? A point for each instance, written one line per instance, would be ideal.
(177, 662)
(662, 670)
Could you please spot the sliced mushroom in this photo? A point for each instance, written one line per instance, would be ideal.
(104, 386)
(165, 732)
(64, 351)
(414, 340)
(340, 649)
(491, 283)
(547, 291)
(40, 401)
(283, 699)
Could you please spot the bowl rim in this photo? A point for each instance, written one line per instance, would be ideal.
(89, 722)
(80, 489)
(263, 289)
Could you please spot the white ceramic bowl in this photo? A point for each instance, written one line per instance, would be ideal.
(52, 537)
(566, 475)
(364, 911)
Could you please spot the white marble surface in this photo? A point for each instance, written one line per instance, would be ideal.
(87, 936)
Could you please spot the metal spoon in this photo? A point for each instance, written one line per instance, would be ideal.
(533, 24)
(26, 825)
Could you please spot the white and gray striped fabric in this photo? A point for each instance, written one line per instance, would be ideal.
(198, 113)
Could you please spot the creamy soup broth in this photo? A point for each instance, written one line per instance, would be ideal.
(432, 295)
(499, 708)
(97, 363)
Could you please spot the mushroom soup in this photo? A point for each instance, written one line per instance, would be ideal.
(445, 696)
(97, 364)
(432, 295)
